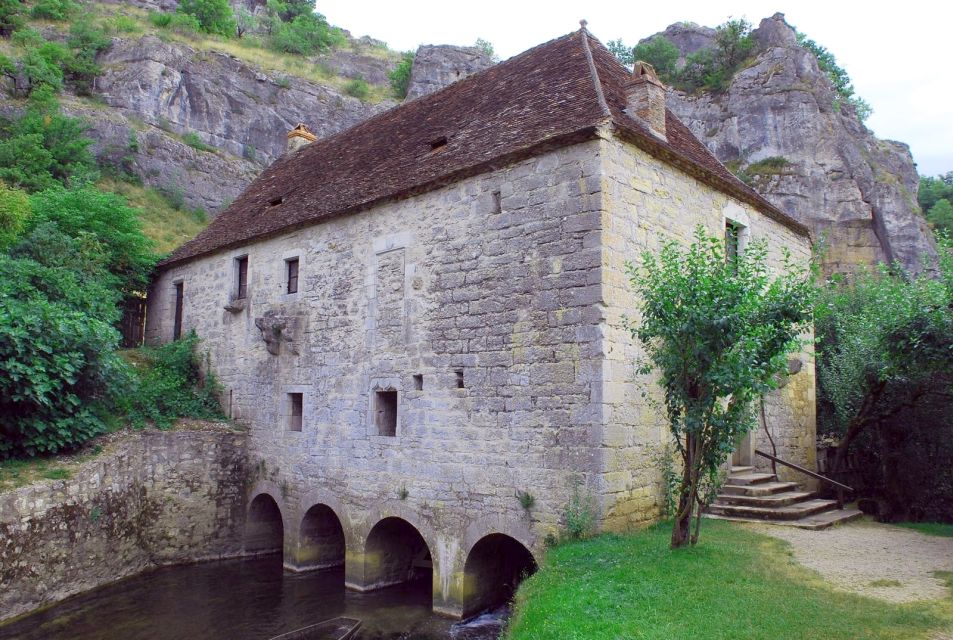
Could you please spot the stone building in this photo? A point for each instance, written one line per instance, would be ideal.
(421, 320)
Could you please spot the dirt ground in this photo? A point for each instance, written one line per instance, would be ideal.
(876, 560)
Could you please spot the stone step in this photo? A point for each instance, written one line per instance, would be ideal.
(822, 520)
(773, 500)
(736, 469)
(762, 489)
(750, 478)
(790, 512)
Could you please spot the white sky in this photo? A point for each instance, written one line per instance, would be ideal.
(898, 60)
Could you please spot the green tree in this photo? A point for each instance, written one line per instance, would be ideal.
(487, 48)
(940, 216)
(885, 347)
(661, 54)
(86, 41)
(14, 213)
(43, 147)
(11, 16)
(54, 9)
(718, 332)
(213, 16)
(245, 21)
(621, 51)
(934, 189)
(304, 35)
(400, 76)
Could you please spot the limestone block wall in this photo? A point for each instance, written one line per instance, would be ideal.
(646, 203)
(150, 499)
(475, 303)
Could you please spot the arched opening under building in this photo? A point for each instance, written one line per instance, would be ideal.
(264, 530)
(396, 553)
(494, 569)
(320, 540)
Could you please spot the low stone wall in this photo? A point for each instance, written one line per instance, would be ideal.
(152, 498)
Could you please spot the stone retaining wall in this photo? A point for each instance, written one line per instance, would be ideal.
(153, 498)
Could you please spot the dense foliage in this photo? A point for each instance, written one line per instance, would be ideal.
(400, 76)
(213, 16)
(885, 375)
(936, 200)
(718, 331)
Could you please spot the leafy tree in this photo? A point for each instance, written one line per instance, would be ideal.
(886, 347)
(487, 48)
(940, 216)
(86, 40)
(14, 212)
(622, 51)
(41, 65)
(85, 212)
(400, 76)
(935, 189)
(304, 35)
(43, 147)
(661, 54)
(11, 16)
(718, 331)
(287, 11)
(245, 21)
(213, 16)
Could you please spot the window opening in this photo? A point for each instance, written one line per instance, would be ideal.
(242, 277)
(295, 418)
(177, 323)
(292, 275)
(385, 405)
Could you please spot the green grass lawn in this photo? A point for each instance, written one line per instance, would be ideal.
(736, 584)
(930, 528)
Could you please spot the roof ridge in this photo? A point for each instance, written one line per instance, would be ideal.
(593, 72)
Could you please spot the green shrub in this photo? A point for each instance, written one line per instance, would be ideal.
(400, 76)
(43, 148)
(14, 213)
(213, 16)
(193, 140)
(123, 24)
(940, 216)
(357, 88)
(160, 19)
(54, 9)
(579, 516)
(305, 35)
(172, 385)
(11, 17)
(827, 63)
(86, 40)
(661, 54)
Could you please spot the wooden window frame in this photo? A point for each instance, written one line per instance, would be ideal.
(179, 302)
(292, 272)
(241, 277)
(295, 411)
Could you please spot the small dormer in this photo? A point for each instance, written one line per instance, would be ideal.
(645, 98)
(299, 137)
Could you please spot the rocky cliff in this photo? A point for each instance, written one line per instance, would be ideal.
(779, 126)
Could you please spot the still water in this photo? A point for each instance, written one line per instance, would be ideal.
(248, 599)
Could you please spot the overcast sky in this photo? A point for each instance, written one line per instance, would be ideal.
(898, 60)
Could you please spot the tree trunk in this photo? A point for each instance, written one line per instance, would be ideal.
(682, 527)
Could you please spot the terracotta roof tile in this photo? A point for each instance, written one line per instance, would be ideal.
(545, 97)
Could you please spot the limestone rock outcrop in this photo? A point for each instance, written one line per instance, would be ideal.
(780, 125)
(436, 66)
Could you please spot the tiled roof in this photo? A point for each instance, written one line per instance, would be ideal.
(552, 95)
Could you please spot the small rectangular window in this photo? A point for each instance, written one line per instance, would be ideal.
(295, 416)
(385, 407)
(459, 374)
(732, 235)
(177, 319)
(418, 382)
(241, 277)
(292, 275)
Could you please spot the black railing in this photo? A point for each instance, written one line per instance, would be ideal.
(841, 488)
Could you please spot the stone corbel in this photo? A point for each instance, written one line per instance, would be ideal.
(235, 305)
(277, 329)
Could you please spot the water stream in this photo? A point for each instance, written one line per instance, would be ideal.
(248, 599)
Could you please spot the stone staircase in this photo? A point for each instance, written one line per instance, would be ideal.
(752, 496)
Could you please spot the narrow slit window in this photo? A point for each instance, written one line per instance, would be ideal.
(497, 202)
(241, 277)
(732, 238)
(459, 376)
(292, 275)
(177, 318)
(295, 415)
(385, 406)
(438, 143)
(418, 382)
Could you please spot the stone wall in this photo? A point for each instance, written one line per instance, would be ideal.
(152, 498)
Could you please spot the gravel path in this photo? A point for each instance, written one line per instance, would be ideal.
(871, 559)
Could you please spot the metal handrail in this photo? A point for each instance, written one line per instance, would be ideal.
(840, 487)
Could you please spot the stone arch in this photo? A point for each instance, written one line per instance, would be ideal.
(395, 552)
(321, 541)
(494, 567)
(264, 526)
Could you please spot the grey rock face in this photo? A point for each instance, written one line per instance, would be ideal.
(228, 104)
(688, 37)
(436, 66)
(351, 64)
(857, 193)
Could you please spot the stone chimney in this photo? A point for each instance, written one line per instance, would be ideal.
(299, 137)
(645, 98)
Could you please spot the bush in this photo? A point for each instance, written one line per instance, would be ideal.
(940, 216)
(160, 19)
(213, 16)
(173, 386)
(305, 35)
(86, 40)
(11, 17)
(43, 148)
(193, 140)
(54, 9)
(123, 24)
(661, 54)
(579, 516)
(14, 212)
(400, 76)
(357, 88)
